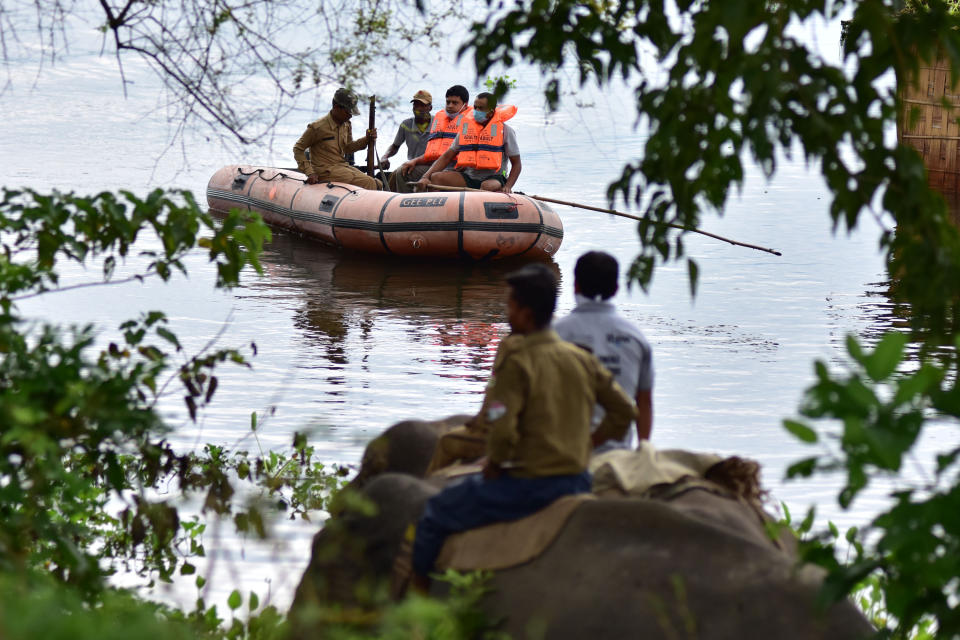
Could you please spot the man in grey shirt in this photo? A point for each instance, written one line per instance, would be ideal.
(412, 132)
(488, 179)
(595, 325)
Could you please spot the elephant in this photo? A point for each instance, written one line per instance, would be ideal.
(405, 447)
(688, 563)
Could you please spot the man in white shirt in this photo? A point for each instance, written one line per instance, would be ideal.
(596, 325)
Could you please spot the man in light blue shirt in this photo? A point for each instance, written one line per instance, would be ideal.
(597, 326)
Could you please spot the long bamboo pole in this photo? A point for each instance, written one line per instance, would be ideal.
(440, 187)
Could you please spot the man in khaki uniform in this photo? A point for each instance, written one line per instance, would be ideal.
(329, 140)
(537, 411)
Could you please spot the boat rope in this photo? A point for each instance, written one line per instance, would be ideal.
(331, 185)
(259, 172)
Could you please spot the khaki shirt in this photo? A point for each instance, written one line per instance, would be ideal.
(539, 402)
(328, 143)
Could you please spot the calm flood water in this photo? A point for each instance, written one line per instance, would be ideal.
(348, 344)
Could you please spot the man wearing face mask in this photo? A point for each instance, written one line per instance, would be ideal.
(443, 129)
(413, 133)
(329, 140)
(482, 147)
(595, 325)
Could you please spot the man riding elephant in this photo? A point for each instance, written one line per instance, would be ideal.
(685, 553)
(538, 410)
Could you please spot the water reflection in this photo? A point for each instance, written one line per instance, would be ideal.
(888, 309)
(455, 310)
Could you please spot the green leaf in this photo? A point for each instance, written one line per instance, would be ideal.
(235, 600)
(884, 447)
(254, 601)
(187, 569)
(169, 336)
(854, 349)
(859, 398)
(800, 431)
(803, 468)
(886, 357)
(807, 523)
(925, 381)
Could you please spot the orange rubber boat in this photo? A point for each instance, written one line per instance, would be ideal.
(473, 225)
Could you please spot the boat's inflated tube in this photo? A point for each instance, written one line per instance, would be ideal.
(474, 225)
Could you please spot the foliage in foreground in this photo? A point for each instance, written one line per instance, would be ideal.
(80, 426)
(869, 593)
(456, 617)
(34, 606)
(716, 87)
(910, 553)
(90, 486)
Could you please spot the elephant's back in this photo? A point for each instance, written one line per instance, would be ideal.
(630, 568)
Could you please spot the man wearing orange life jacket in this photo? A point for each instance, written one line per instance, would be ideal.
(482, 147)
(443, 129)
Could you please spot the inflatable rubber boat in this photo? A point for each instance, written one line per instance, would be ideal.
(474, 225)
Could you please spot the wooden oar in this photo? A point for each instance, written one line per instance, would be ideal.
(440, 187)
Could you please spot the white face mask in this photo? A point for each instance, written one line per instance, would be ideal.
(480, 117)
(452, 112)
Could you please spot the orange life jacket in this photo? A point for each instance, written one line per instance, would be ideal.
(443, 129)
(481, 147)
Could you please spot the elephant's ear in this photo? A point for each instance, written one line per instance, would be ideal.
(741, 476)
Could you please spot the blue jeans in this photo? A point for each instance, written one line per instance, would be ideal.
(475, 502)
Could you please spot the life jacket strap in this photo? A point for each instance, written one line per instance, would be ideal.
(481, 147)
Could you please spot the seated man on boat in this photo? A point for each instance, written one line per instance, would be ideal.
(329, 140)
(443, 129)
(482, 147)
(413, 132)
(538, 407)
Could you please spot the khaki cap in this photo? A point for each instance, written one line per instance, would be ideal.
(422, 96)
(346, 99)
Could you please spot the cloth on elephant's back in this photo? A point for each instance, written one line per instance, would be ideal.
(635, 473)
(484, 548)
(642, 473)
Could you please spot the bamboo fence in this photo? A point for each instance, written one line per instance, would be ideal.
(928, 123)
